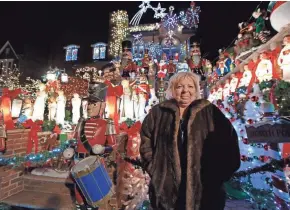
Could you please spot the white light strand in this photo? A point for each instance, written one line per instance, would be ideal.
(159, 12)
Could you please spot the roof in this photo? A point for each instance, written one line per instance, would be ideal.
(5, 46)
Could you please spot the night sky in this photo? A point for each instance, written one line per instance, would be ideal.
(51, 25)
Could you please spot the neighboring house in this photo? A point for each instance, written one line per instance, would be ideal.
(8, 58)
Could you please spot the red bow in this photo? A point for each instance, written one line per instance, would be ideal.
(132, 132)
(11, 93)
(114, 91)
(35, 127)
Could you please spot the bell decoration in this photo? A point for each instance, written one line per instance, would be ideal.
(110, 130)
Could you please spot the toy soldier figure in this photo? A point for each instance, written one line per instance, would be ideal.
(143, 87)
(114, 93)
(171, 68)
(145, 62)
(95, 135)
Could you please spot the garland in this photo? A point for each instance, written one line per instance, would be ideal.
(282, 93)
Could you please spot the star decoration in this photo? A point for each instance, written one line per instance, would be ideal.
(145, 5)
(159, 11)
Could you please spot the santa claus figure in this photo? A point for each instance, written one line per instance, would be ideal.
(176, 58)
(171, 68)
(95, 135)
(162, 69)
(264, 71)
(284, 59)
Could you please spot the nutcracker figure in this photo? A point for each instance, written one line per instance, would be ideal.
(114, 93)
(171, 68)
(145, 61)
(195, 55)
(143, 87)
(129, 68)
(95, 135)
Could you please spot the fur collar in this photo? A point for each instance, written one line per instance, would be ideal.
(196, 105)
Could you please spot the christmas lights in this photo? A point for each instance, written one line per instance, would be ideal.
(144, 27)
(119, 22)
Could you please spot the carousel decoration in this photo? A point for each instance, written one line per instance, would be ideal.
(279, 14)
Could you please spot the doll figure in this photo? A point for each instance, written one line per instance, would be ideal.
(52, 109)
(39, 104)
(126, 103)
(60, 108)
(76, 105)
(85, 108)
(27, 108)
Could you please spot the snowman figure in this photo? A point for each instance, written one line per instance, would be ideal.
(247, 76)
(264, 70)
(284, 59)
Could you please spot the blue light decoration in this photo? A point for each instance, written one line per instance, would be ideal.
(170, 21)
(39, 158)
(71, 52)
(99, 50)
(154, 49)
(190, 18)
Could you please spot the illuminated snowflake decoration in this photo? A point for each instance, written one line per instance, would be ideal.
(170, 21)
(190, 18)
(138, 39)
(155, 50)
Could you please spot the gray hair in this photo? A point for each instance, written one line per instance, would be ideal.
(175, 79)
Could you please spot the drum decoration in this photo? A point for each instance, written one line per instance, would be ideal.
(93, 180)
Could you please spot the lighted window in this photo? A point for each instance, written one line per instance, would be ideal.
(71, 52)
(138, 51)
(99, 51)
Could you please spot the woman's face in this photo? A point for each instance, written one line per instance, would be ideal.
(184, 92)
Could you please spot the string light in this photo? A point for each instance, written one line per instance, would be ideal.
(119, 22)
(144, 27)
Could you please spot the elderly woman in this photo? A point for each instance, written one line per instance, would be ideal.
(189, 149)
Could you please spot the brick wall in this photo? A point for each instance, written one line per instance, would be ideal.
(16, 142)
(48, 184)
(11, 181)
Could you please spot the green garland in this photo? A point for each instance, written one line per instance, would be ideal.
(282, 94)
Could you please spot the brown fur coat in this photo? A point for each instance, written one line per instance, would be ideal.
(213, 155)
